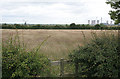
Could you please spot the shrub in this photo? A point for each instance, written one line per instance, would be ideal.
(18, 62)
(97, 26)
(98, 58)
(7, 26)
(72, 25)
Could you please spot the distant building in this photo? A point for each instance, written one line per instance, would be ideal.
(107, 22)
(110, 22)
(104, 23)
(88, 21)
(93, 22)
(97, 21)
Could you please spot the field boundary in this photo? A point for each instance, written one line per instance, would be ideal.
(61, 63)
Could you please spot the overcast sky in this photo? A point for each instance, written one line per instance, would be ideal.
(53, 11)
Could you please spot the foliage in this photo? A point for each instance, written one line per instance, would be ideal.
(71, 26)
(115, 15)
(99, 58)
(0, 59)
(19, 62)
(97, 26)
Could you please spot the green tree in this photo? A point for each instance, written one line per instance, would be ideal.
(115, 15)
(97, 26)
(73, 25)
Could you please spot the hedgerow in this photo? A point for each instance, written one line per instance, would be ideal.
(19, 62)
(98, 58)
(71, 26)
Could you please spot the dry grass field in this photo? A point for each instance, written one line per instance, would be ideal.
(58, 45)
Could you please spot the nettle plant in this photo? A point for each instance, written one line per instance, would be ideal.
(98, 58)
(18, 62)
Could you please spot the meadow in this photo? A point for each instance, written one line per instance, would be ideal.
(59, 43)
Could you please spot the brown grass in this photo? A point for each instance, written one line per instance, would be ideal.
(59, 45)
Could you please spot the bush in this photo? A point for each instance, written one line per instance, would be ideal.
(97, 26)
(7, 26)
(72, 25)
(99, 58)
(18, 62)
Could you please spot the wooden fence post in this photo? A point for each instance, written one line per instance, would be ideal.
(76, 69)
(49, 73)
(61, 67)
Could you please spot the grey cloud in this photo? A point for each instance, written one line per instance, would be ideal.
(13, 5)
(65, 12)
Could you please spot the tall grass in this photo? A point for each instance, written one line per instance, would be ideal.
(0, 60)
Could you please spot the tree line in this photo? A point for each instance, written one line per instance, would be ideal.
(70, 26)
